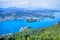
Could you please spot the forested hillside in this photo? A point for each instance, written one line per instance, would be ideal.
(49, 33)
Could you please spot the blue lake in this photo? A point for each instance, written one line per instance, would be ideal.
(13, 26)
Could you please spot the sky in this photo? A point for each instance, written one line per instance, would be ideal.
(51, 4)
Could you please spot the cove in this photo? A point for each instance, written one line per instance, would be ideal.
(14, 26)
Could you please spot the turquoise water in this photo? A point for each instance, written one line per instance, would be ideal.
(13, 26)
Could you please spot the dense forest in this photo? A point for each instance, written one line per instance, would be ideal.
(49, 33)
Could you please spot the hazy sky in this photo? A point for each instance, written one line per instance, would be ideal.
(53, 4)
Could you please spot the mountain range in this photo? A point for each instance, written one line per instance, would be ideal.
(24, 12)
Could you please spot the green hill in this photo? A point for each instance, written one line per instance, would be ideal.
(49, 33)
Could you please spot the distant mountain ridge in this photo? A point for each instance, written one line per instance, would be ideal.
(14, 12)
(15, 9)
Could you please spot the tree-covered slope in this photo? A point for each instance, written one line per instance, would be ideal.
(50, 33)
